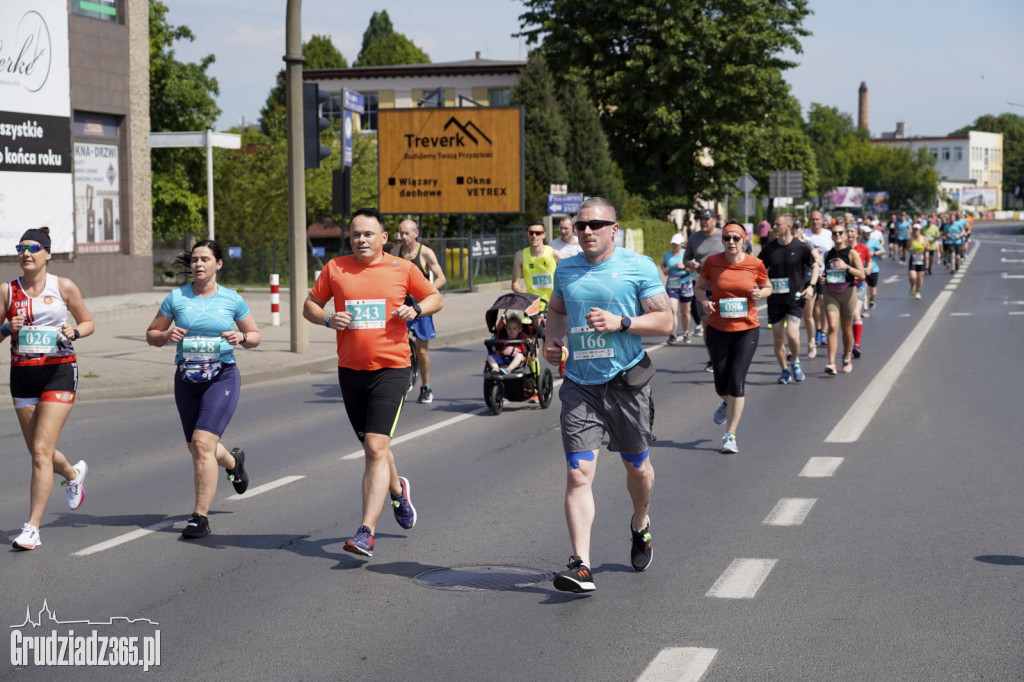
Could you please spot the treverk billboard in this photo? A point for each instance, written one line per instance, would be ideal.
(435, 160)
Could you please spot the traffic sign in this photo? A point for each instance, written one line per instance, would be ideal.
(747, 183)
(786, 184)
(564, 204)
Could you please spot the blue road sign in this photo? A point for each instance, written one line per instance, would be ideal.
(354, 102)
(564, 204)
(234, 252)
(319, 251)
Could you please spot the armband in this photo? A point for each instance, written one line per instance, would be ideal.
(5, 329)
(327, 320)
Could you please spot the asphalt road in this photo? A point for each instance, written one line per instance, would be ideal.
(868, 529)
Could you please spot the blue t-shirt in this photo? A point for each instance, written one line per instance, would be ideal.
(953, 232)
(874, 246)
(205, 318)
(616, 285)
(674, 263)
(903, 229)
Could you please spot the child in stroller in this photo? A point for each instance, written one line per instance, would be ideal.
(508, 357)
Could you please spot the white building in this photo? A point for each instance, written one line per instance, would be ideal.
(970, 165)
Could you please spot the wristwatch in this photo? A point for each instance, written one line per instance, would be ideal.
(418, 309)
(626, 323)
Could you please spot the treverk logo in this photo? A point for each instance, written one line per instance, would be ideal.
(464, 131)
(126, 642)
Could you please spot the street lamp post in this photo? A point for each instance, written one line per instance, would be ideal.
(296, 176)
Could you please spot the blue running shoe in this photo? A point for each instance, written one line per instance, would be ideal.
(784, 377)
(405, 513)
(798, 374)
(721, 412)
(361, 543)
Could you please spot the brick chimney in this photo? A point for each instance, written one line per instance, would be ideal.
(862, 108)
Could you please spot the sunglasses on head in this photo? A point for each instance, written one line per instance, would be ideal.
(732, 238)
(594, 225)
(28, 248)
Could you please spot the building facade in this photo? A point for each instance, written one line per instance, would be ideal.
(74, 125)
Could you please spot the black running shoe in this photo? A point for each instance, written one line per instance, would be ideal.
(237, 476)
(642, 552)
(197, 527)
(577, 579)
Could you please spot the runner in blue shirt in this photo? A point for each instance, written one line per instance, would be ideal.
(679, 285)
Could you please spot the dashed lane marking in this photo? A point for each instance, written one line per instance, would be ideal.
(265, 487)
(789, 511)
(742, 579)
(820, 467)
(678, 664)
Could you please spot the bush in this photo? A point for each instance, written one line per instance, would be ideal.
(657, 235)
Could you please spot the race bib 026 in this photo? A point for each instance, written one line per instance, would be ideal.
(37, 340)
(367, 313)
(587, 344)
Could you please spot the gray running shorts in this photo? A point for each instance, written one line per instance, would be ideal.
(589, 412)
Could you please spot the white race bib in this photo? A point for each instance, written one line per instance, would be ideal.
(37, 340)
(587, 344)
(542, 280)
(780, 285)
(205, 348)
(732, 308)
(835, 276)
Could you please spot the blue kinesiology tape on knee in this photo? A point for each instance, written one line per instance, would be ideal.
(573, 458)
(636, 460)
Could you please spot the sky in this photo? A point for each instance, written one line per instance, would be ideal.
(936, 65)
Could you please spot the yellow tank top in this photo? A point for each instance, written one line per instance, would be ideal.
(539, 272)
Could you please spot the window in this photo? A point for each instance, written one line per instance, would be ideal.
(334, 108)
(371, 103)
(498, 97)
(934, 151)
(104, 10)
(958, 154)
(945, 153)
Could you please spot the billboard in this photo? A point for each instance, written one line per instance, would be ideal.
(845, 197)
(876, 201)
(979, 197)
(450, 160)
(35, 126)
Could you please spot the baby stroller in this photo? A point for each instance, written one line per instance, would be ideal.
(527, 380)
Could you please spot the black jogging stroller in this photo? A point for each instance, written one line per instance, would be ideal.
(528, 382)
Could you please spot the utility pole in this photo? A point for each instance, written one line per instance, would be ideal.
(296, 177)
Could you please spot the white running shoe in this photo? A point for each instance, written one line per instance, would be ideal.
(29, 538)
(729, 445)
(74, 491)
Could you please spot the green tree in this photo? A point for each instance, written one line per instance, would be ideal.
(382, 46)
(588, 160)
(319, 53)
(908, 176)
(683, 85)
(182, 97)
(380, 26)
(545, 133)
(1012, 128)
(830, 131)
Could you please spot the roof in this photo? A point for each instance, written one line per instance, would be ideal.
(464, 68)
(946, 138)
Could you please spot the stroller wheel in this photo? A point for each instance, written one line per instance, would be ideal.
(494, 396)
(545, 388)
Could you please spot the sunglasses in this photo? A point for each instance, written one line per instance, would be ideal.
(535, 234)
(28, 248)
(732, 238)
(594, 225)
(838, 234)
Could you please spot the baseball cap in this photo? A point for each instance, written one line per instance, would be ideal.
(865, 228)
(915, 226)
(706, 213)
(678, 238)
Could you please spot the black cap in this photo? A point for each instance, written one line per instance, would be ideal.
(706, 213)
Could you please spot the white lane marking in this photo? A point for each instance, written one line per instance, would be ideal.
(1011, 260)
(789, 511)
(127, 537)
(960, 314)
(265, 487)
(1009, 276)
(821, 467)
(678, 664)
(891, 278)
(860, 414)
(905, 315)
(1011, 250)
(1013, 302)
(1016, 312)
(742, 579)
(950, 287)
(419, 433)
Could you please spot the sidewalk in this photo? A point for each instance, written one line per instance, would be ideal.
(116, 361)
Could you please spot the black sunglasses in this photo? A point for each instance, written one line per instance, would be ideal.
(594, 225)
(838, 233)
(733, 238)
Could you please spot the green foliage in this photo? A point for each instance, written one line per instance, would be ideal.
(383, 47)
(181, 98)
(657, 235)
(909, 176)
(587, 158)
(829, 131)
(545, 133)
(676, 80)
(319, 53)
(364, 171)
(1012, 128)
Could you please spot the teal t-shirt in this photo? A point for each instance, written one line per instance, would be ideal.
(204, 318)
(616, 285)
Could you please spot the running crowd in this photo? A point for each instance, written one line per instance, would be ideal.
(601, 299)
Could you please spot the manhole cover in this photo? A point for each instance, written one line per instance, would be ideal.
(482, 578)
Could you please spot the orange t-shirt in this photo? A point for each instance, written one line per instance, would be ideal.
(731, 284)
(374, 338)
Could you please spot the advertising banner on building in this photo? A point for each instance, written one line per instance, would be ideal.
(979, 197)
(845, 197)
(97, 198)
(454, 160)
(35, 127)
(876, 201)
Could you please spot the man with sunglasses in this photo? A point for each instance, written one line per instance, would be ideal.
(533, 268)
(701, 245)
(601, 305)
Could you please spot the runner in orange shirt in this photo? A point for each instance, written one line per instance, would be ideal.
(369, 290)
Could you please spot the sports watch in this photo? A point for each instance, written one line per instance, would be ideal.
(626, 323)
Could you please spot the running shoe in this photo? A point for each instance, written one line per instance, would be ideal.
(426, 395)
(789, 357)
(917, 294)
(847, 364)
(74, 491)
(729, 445)
(708, 368)
(641, 553)
(784, 377)
(830, 369)
(812, 351)
(865, 314)
(798, 374)
(197, 526)
(698, 330)
(686, 338)
(577, 578)
(671, 339)
(871, 304)
(720, 413)
(820, 338)
(361, 542)
(912, 291)
(239, 479)
(533, 399)
(29, 538)
(405, 513)
(856, 351)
